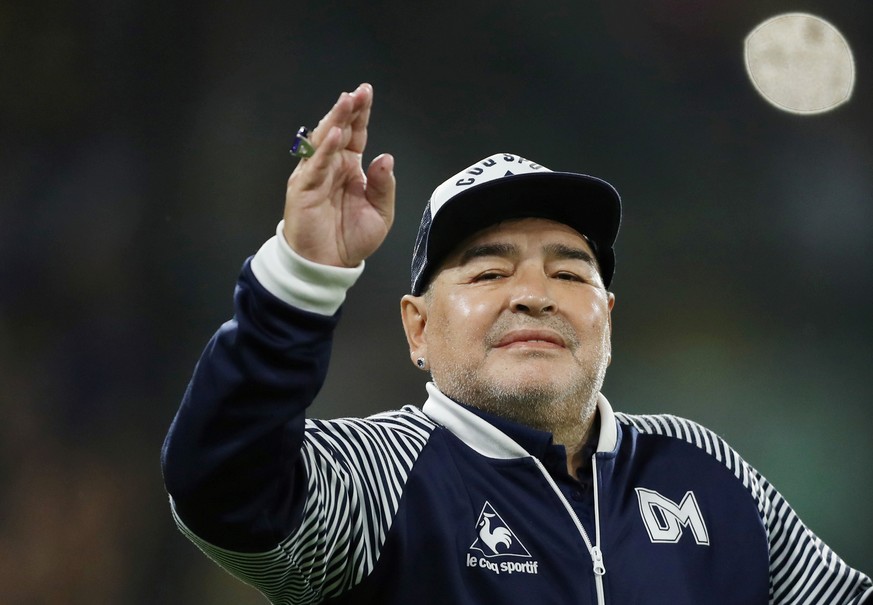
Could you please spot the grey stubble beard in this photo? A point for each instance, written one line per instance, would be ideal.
(562, 409)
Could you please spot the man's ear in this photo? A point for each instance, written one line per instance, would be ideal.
(413, 313)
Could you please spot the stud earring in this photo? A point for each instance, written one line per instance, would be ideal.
(420, 363)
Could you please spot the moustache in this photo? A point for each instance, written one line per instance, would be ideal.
(557, 324)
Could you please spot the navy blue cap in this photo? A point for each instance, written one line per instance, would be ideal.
(507, 186)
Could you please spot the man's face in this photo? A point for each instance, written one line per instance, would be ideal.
(516, 322)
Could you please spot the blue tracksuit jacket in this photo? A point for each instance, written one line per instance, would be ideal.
(445, 504)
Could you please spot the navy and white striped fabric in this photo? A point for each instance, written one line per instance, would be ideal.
(356, 469)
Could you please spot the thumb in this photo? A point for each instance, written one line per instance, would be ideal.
(381, 186)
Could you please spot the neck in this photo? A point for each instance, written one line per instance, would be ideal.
(570, 423)
(574, 439)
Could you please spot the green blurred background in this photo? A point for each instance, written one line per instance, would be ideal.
(143, 157)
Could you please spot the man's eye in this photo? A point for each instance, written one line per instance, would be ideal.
(489, 276)
(567, 276)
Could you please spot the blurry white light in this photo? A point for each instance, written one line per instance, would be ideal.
(800, 63)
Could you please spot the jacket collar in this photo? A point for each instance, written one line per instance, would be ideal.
(488, 440)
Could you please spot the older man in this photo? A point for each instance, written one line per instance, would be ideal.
(515, 482)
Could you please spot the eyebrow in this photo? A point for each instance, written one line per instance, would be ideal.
(563, 251)
(483, 250)
(560, 251)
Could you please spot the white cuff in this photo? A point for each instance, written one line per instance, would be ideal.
(300, 282)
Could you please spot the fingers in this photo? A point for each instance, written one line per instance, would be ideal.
(343, 128)
(312, 172)
(351, 113)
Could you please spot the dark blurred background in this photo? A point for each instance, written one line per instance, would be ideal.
(143, 157)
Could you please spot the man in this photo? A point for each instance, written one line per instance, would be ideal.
(515, 482)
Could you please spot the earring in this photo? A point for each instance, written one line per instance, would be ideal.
(420, 363)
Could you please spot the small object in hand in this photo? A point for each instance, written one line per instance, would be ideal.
(302, 148)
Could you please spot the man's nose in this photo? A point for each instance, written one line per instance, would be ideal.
(531, 294)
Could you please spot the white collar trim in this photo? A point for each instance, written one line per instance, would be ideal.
(489, 441)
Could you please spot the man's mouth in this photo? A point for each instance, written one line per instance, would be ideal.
(531, 338)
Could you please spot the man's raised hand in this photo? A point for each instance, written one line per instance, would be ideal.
(335, 213)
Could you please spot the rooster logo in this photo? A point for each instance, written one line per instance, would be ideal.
(495, 538)
(492, 539)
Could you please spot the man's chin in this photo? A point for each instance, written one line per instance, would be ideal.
(535, 404)
(536, 375)
(527, 390)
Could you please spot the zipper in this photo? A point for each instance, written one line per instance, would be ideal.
(598, 565)
(597, 554)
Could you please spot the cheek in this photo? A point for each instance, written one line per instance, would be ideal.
(459, 320)
(594, 317)
(469, 310)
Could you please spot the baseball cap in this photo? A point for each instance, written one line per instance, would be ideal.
(506, 186)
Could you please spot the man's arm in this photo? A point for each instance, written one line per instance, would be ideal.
(231, 458)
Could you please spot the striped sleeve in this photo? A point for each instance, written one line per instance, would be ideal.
(356, 471)
(803, 570)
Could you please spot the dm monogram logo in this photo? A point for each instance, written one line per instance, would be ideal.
(665, 520)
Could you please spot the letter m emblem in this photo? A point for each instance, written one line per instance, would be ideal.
(664, 519)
